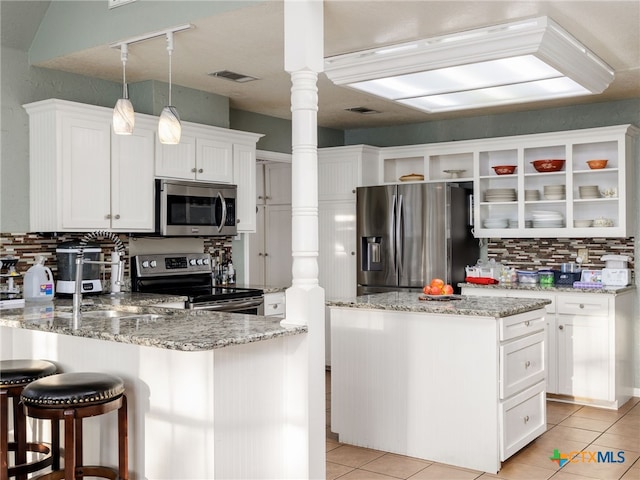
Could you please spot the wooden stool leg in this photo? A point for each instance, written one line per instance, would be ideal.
(55, 444)
(4, 432)
(69, 446)
(123, 440)
(20, 435)
(78, 447)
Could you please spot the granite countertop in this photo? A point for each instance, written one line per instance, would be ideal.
(456, 305)
(265, 288)
(550, 289)
(141, 321)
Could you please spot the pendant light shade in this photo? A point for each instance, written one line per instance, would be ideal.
(123, 114)
(169, 127)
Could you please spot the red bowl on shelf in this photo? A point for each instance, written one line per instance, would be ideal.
(504, 169)
(551, 165)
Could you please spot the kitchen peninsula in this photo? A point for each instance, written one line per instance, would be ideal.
(207, 391)
(458, 381)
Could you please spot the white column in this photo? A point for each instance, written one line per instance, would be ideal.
(305, 298)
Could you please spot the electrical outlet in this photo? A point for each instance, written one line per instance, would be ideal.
(583, 253)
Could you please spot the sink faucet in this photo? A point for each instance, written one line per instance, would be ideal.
(116, 262)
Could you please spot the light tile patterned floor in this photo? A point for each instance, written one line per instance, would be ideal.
(570, 427)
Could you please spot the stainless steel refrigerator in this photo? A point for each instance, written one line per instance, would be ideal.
(411, 233)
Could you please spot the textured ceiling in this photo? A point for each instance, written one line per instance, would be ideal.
(250, 41)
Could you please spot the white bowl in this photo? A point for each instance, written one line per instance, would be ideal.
(582, 223)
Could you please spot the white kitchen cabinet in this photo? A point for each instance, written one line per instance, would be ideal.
(617, 144)
(274, 304)
(270, 260)
(401, 378)
(244, 176)
(342, 169)
(83, 177)
(200, 156)
(273, 183)
(589, 343)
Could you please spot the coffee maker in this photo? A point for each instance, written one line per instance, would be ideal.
(66, 254)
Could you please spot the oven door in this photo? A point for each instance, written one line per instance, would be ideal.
(249, 306)
(195, 209)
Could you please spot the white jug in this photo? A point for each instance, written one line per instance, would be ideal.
(38, 283)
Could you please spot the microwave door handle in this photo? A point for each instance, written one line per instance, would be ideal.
(224, 212)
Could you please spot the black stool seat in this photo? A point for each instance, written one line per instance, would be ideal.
(21, 372)
(71, 397)
(14, 376)
(73, 389)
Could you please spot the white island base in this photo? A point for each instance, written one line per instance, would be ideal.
(220, 413)
(463, 390)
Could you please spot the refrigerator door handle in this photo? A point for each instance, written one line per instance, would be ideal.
(394, 216)
(399, 236)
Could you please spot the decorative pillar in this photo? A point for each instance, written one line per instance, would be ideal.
(304, 58)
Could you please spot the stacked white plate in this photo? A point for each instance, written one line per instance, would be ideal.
(555, 192)
(589, 191)
(496, 223)
(500, 195)
(531, 195)
(547, 219)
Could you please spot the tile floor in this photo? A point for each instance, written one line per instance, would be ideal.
(570, 427)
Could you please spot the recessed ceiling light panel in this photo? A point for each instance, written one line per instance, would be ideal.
(518, 62)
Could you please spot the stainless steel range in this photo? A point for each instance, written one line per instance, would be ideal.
(189, 274)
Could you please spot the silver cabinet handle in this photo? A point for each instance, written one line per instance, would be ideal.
(260, 254)
(527, 364)
(200, 170)
(527, 323)
(193, 169)
(117, 216)
(274, 306)
(259, 197)
(266, 254)
(581, 305)
(108, 216)
(237, 220)
(353, 253)
(561, 327)
(526, 419)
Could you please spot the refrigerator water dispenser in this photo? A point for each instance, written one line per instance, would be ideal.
(371, 254)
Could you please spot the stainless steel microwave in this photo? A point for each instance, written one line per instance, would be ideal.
(192, 209)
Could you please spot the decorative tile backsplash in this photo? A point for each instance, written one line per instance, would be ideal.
(537, 253)
(28, 246)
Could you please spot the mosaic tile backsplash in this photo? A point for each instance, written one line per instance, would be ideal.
(542, 253)
(28, 246)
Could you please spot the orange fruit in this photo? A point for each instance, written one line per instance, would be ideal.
(437, 282)
(447, 290)
(426, 290)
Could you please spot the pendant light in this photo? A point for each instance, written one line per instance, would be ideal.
(169, 128)
(123, 114)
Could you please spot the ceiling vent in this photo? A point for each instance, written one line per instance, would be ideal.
(362, 110)
(233, 76)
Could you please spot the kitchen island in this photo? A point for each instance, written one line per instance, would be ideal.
(459, 380)
(208, 392)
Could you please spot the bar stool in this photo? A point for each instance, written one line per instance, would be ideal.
(72, 397)
(14, 376)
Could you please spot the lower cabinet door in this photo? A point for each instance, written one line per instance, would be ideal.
(523, 417)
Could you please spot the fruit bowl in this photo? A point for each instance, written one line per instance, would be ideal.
(551, 165)
(504, 169)
(597, 164)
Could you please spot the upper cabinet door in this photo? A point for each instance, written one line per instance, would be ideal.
(277, 179)
(132, 186)
(177, 161)
(85, 168)
(244, 176)
(214, 160)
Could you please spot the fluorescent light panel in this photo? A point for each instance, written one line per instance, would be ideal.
(523, 61)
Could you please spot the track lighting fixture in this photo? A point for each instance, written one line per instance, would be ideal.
(123, 114)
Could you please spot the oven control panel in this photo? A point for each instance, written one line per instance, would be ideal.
(171, 264)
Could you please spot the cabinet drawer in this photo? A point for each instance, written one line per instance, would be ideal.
(590, 305)
(274, 304)
(522, 364)
(522, 419)
(519, 325)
